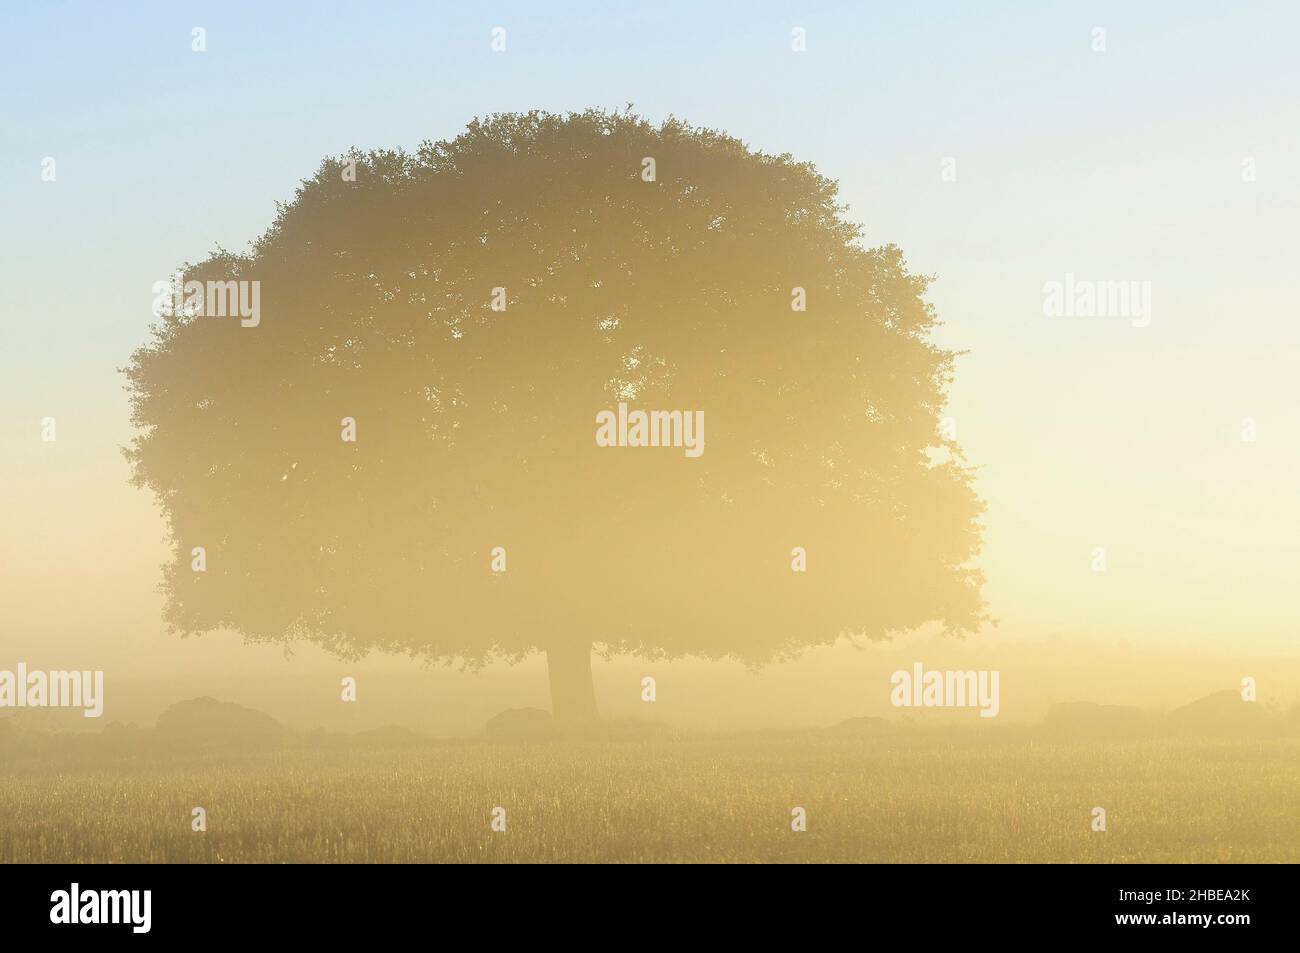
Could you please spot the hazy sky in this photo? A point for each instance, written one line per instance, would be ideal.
(1125, 164)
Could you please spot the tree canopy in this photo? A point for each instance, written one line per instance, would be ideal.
(475, 426)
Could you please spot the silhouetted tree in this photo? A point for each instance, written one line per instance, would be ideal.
(475, 427)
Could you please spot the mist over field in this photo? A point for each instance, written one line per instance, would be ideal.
(634, 435)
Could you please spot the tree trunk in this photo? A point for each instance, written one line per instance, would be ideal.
(573, 696)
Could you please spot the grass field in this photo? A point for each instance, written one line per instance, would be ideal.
(923, 797)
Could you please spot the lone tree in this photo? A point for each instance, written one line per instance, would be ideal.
(467, 312)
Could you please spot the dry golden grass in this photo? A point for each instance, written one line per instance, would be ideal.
(923, 797)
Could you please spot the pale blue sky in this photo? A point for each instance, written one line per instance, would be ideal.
(1124, 164)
